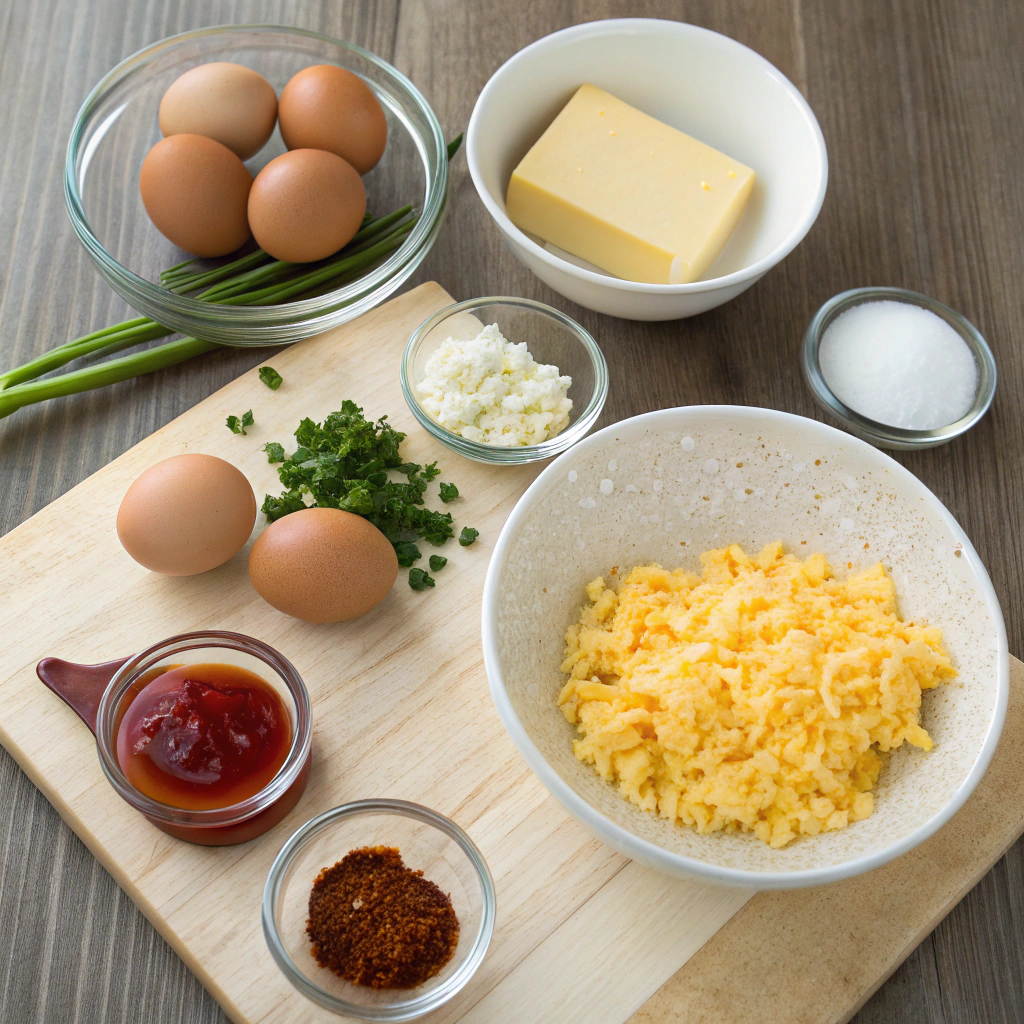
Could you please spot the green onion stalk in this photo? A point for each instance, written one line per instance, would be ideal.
(253, 280)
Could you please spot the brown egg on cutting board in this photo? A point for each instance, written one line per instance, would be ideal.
(305, 205)
(227, 102)
(327, 107)
(322, 565)
(196, 192)
(186, 515)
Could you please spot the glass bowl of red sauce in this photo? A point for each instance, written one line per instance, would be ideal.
(208, 735)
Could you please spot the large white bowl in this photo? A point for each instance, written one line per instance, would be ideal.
(705, 477)
(703, 83)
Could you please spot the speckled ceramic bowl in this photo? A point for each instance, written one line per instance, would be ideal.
(665, 486)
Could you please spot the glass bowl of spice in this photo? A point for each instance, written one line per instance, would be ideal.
(379, 909)
(897, 368)
(504, 380)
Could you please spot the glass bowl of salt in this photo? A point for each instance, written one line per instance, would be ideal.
(897, 368)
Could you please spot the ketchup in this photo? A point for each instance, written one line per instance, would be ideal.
(203, 736)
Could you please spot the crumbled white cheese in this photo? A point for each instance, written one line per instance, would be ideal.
(491, 390)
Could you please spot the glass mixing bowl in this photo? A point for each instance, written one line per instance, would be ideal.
(117, 125)
(428, 842)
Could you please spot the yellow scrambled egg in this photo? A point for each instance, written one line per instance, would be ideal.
(756, 697)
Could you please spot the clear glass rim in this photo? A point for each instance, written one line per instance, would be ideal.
(491, 453)
(408, 1008)
(228, 324)
(871, 430)
(217, 817)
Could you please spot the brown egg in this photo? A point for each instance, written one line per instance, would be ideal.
(322, 565)
(305, 205)
(187, 514)
(327, 107)
(227, 102)
(195, 191)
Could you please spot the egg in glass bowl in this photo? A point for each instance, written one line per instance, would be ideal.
(118, 125)
(666, 487)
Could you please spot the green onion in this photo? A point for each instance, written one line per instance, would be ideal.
(101, 374)
(107, 342)
(19, 388)
(254, 279)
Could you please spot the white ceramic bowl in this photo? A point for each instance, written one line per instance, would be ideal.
(703, 83)
(711, 476)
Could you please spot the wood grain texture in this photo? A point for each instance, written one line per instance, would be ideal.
(919, 103)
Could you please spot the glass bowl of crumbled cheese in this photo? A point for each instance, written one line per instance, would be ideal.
(504, 380)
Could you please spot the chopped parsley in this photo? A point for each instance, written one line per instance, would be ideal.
(275, 451)
(437, 563)
(237, 426)
(419, 580)
(350, 463)
(271, 377)
(468, 535)
(407, 553)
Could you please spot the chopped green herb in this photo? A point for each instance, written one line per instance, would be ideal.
(407, 553)
(468, 535)
(419, 580)
(237, 426)
(271, 377)
(349, 462)
(275, 451)
(437, 563)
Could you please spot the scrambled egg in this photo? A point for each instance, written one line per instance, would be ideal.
(756, 697)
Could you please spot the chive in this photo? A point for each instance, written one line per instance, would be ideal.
(177, 268)
(98, 376)
(193, 282)
(105, 342)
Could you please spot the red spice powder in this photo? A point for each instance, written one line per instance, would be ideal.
(377, 923)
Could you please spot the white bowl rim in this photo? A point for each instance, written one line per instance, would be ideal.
(676, 863)
(605, 27)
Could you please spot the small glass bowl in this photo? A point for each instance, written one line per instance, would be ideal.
(428, 842)
(117, 125)
(551, 337)
(881, 434)
(220, 826)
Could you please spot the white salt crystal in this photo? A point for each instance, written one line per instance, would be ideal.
(899, 364)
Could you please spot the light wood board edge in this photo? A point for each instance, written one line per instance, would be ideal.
(815, 956)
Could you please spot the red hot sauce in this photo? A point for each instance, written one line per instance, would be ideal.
(203, 736)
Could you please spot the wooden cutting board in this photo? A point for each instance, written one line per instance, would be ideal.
(401, 709)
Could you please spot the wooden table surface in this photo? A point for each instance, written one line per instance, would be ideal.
(920, 104)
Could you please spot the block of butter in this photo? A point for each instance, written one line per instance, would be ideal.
(626, 192)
